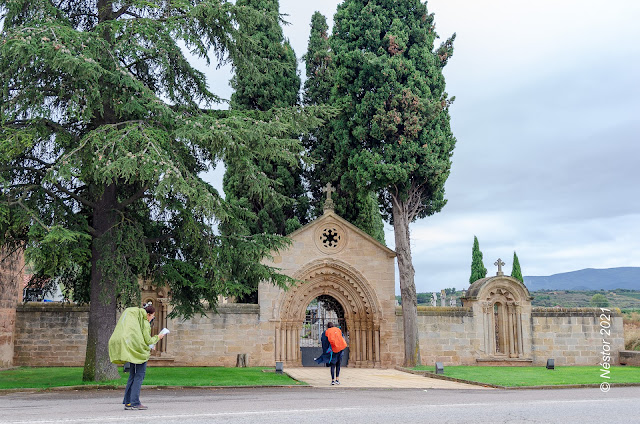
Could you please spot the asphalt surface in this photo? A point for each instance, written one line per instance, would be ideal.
(310, 405)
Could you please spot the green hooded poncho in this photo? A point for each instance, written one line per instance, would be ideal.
(131, 339)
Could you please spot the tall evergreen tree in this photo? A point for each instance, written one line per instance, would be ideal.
(269, 83)
(102, 140)
(360, 207)
(272, 82)
(516, 272)
(394, 131)
(478, 270)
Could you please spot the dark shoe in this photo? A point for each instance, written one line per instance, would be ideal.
(333, 382)
(140, 407)
(128, 407)
(337, 383)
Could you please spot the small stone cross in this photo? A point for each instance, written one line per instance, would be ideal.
(499, 264)
(328, 204)
(328, 189)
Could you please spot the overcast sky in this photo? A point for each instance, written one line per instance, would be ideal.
(547, 121)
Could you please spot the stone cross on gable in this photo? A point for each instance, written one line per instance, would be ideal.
(499, 264)
(328, 203)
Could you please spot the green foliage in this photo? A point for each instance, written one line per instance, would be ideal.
(272, 81)
(46, 377)
(599, 301)
(393, 136)
(357, 204)
(394, 125)
(516, 272)
(539, 376)
(260, 86)
(103, 139)
(478, 270)
(624, 300)
(318, 62)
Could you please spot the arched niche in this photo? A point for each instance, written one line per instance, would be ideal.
(159, 298)
(347, 286)
(502, 308)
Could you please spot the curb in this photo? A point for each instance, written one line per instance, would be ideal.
(430, 374)
(110, 387)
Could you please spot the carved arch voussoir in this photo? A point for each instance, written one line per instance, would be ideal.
(337, 279)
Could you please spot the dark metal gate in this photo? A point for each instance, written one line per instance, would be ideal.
(321, 311)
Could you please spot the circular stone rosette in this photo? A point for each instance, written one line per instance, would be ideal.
(330, 238)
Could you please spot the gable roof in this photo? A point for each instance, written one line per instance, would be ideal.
(330, 214)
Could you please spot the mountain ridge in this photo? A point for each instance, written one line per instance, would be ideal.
(587, 279)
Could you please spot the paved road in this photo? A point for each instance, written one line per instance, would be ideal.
(323, 405)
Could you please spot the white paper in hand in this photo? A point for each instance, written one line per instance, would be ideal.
(163, 332)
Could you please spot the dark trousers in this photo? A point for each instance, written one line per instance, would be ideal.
(134, 384)
(335, 368)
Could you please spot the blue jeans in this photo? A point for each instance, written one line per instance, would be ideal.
(134, 384)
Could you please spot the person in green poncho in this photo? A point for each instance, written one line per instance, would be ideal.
(130, 342)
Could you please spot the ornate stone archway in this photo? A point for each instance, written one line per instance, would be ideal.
(504, 305)
(361, 308)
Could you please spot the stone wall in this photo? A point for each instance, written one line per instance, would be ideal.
(630, 357)
(575, 336)
(50, 334)
(447, 335)
(569, 336)
(216, 340)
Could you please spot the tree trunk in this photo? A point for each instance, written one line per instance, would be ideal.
(407, 284)
(103, 306)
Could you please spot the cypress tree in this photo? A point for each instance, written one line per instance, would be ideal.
(272, 82)
(478, 270)
(262, 85)
(358, 205)
(516, 272)
(393, 135)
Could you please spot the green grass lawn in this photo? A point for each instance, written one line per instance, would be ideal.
(46, 377)
(540, 376)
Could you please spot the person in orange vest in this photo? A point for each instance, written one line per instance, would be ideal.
(333, 345)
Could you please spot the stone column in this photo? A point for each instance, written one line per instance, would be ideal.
(519, 330)
(296, 342)
(488, 328)
(289, 343)
(358, 345)
(370, 343)
(376, 345)
(511, 331)
(162, 312)
(278, 342)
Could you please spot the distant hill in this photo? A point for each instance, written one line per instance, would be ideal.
(588, 279)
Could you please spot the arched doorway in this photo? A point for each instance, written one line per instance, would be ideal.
(324, 279)
(321, 311)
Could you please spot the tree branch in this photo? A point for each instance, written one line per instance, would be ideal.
(158, 239)
(130, 200)
(122, 10)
